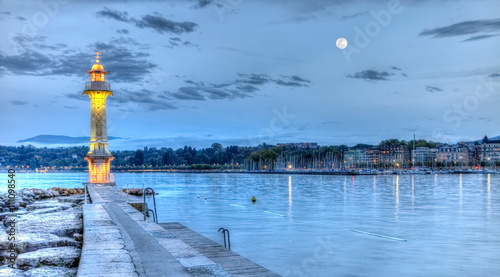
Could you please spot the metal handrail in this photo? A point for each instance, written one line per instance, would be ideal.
(155, 218)
(155, 214)
(225, 233)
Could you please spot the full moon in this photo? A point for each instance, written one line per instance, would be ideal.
(341, 43)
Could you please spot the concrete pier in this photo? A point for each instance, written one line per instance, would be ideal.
(118, 242)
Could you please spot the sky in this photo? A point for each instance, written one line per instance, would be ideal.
(246, 72)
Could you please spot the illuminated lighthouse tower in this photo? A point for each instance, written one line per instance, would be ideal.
(98, 157)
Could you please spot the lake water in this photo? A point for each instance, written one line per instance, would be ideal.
(301, 225)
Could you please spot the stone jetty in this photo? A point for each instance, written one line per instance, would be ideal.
(56, 234)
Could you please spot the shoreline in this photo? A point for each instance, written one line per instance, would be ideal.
(294, 172)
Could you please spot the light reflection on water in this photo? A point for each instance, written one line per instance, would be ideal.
(301, 224)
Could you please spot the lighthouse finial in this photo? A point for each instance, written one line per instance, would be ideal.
(97, 57)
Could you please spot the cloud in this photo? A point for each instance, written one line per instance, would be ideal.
(378, 75)
(203, 4)
(113, 14)
(161, 25)
(123, 31)
(352, 16)
(247, 88)
(175, 41)
(18, 102)
(144, 98)
(26, 63)
(188, 93)
(433, 89)
(371, 75)
(485, 119)
(479, 37)
(244, 86)
(151, 21)
(254, 79)
(494, 75)
(463, 28)
(123, 57)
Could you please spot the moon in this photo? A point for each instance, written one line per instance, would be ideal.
(341, 43)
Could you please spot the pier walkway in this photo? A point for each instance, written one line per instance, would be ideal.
(118, 242)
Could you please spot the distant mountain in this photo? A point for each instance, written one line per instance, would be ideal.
(55, 139)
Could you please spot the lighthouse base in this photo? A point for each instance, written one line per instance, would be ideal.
(99, 170)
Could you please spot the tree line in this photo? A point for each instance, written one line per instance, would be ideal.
(264, 156)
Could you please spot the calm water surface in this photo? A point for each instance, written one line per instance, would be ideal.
(301, 224)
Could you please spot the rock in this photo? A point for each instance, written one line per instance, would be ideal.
(55, 193)
(37, 191)
(48, 205)
(78, 237)
(46, 211)
(11, 272)
(60, 256)
(64, 223)
(75, 199)
(26, 242)
(8, 213)
(51, 271)
(27, 192)
(27, 199)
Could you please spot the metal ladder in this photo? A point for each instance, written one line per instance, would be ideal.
(146, 212)
(225, 233)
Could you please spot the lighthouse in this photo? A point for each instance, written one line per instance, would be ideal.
(98, 157)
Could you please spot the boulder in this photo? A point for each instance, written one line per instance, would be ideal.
(26, 242)
(48, 205)
(8, 213)
(27, 193)
(75, 199)
(11, 272)
(60, 256)
(64, 223)
(51, 271)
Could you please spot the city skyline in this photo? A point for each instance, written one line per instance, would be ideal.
(247, 72)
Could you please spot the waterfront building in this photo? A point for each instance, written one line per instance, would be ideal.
(353, 158)
(423, 156)
(489, 150)
(98, 157)
(394, 155)
(372, 157)
(356, 158)
(453, 155)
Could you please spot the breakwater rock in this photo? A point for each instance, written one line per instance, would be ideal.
(137, 192)
(41, 232)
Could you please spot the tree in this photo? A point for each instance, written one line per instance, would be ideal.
(139, 157)
(391, 142)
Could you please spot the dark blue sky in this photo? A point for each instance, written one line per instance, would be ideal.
(250, 71)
